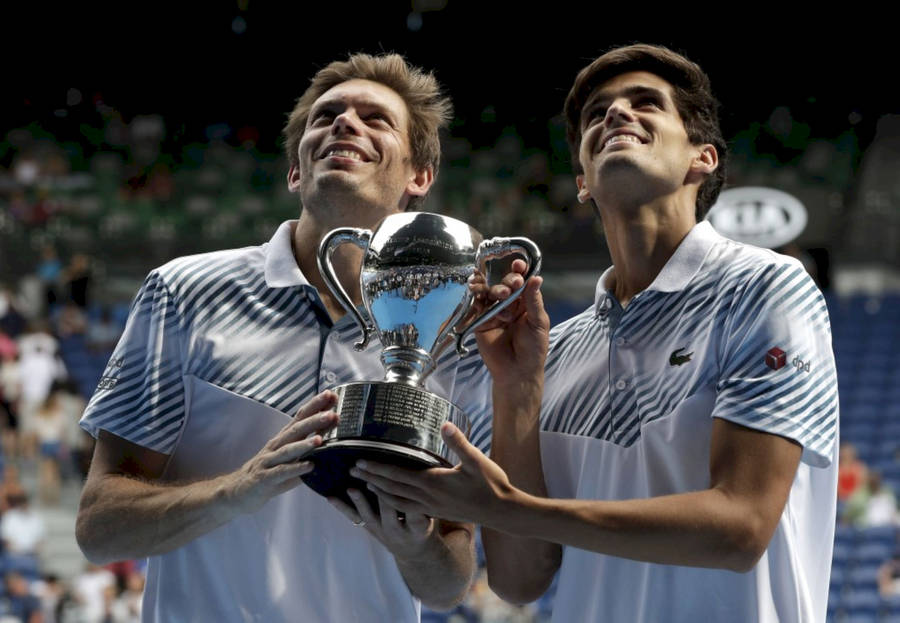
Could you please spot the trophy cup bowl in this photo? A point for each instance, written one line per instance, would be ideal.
(414, 284)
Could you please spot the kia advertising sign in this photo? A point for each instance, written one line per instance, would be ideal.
(760, 216)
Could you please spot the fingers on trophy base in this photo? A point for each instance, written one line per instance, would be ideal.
(333, 460)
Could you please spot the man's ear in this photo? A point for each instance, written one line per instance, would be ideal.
(583, 193)
(293, 178)
(420, 181)
(705, 162)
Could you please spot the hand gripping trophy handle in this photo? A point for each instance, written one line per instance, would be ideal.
(497, 248)
(335, 238)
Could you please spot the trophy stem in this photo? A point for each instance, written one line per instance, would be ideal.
(406, 365)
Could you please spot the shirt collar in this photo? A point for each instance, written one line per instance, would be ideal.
(281, 265)
(677, 272)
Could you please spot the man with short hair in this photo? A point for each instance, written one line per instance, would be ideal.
(686, 448)
(198, 459)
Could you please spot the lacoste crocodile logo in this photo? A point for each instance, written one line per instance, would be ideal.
(675, 359)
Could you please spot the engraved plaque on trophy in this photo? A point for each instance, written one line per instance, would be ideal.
(414, 284)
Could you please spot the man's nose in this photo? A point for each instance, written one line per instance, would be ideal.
(619, 111)
(346, 123)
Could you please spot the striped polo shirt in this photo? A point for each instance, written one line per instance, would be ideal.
(725, 330)
(219, 352)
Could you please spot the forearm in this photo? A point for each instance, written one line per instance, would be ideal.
(441, 573)
(123, 518)
(699, 529)
(519, 569)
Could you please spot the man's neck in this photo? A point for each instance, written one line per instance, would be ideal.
(641, 240)
(312, 226)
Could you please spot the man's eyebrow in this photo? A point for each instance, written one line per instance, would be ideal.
(601, 98)
(338, 103)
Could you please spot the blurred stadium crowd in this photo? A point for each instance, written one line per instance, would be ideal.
(89, 205)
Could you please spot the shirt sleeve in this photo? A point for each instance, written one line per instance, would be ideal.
(777, 371)
(141, 394)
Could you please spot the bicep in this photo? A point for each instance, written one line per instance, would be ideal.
(114, 455)
(753, 469)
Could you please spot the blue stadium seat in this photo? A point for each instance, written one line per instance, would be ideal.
(880, 534)
(861, 602)
(873, 553)
(863, 437)
(846, 535)
(863, 578)
(836, 581)
(861, 412)
(834, 600)
(22, 563)
(120, 313)
(842, 554)
(891, 606)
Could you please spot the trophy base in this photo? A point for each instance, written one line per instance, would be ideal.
(333, 460)
(383, 422)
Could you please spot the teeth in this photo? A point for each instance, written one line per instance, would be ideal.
(344, 153)
(621, 138)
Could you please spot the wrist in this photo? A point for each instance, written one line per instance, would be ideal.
(431, 547)
(517, 384)
(509, 501)
(517, 401)
(228, 498)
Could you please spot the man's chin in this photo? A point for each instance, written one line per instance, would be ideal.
(618, 164)
(337, 181)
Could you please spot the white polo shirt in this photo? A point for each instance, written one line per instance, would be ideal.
(725, 330)
(219, 352)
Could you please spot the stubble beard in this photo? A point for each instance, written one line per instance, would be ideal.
(341, 198)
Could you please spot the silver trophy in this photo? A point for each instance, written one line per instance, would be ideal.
(414, 284)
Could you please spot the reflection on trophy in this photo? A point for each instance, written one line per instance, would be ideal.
(414, 284)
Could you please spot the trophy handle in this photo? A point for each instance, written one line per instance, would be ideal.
(493, 249)
(335, 238)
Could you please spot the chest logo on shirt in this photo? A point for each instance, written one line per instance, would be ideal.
(775, 358)
(677, 359)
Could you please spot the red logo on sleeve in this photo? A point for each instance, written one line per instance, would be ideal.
(775, 358)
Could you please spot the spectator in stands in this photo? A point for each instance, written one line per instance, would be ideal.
(10, 487)
(49, 271)
(94, 591)
(127, 606)
(103, 334)
(876, 502)
(851, 471)
(18, 604)
(51, 426)
(22, 528)
(8, 347)
(79, 443)
(39, 366)
(12, 323)
(889, 577)
(10, 392)
(71, 321)
(52, 594)
(78, 279)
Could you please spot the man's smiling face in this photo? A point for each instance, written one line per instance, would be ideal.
(356, 145)
(631, 133)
